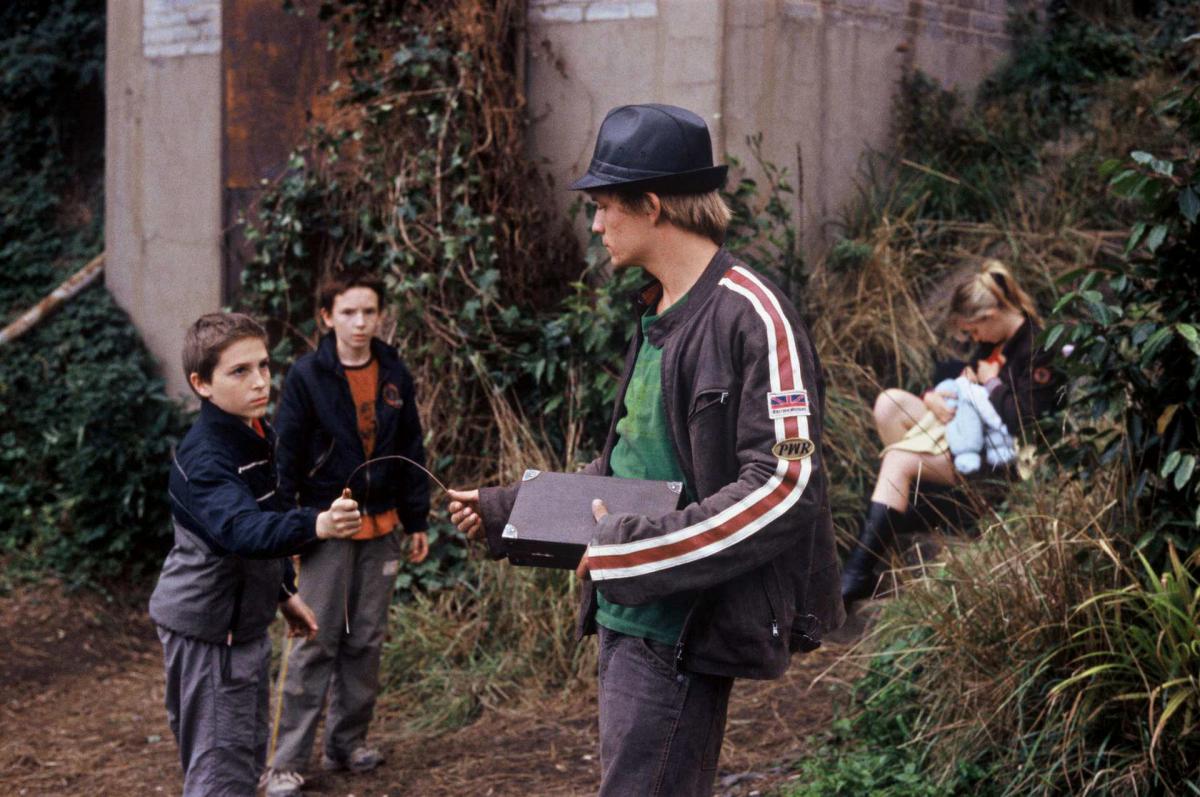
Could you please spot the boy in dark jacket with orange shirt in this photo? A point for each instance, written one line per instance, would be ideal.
(347, 403)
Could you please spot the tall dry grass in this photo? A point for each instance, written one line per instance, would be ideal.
(1039, 655)
(506, 637)
(504, 634)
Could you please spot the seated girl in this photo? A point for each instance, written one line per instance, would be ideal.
(988, 305)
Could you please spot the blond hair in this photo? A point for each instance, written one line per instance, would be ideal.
(992, 286)
(704, 214)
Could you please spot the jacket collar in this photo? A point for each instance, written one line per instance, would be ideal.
(235, 429)
(646, 298)
(327, 355)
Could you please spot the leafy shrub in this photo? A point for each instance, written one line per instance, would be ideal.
(86, 428)
(1135, 691)
(87, 445)
(1135, 326)
(1051, 80)
(51, 122)
(875, 750)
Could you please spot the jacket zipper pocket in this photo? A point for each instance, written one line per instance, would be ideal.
(322, 459)
(687, 622)
(706, 399)
(770, 605)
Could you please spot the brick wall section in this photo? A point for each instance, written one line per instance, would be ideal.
(174, 28)
(590, 10)
(973, 22)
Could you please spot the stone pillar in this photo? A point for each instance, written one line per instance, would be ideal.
(163, 169)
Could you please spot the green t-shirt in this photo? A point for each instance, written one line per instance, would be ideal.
(644, 451)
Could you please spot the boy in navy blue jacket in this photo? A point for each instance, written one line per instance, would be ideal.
(348, 403)
(225, 575)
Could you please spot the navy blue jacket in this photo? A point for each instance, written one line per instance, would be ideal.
(222, 578)
(319, 446)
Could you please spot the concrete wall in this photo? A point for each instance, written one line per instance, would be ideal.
(163, 168)
(815, 77)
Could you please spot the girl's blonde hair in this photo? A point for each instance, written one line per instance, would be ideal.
(991, 286)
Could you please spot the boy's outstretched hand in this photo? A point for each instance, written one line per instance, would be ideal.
(340, 520)
(300, 619)
(464, 512)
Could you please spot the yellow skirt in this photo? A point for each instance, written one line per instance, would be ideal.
(926, 436)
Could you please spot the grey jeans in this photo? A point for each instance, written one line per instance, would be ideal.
(338, 577)
(660, 730)
(216, 700)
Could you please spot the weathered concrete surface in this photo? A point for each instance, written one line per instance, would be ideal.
(815, 77)
(163, 185)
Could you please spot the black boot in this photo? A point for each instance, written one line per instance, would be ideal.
(878, 536)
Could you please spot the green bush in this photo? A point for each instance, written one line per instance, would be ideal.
(86, 428)
(1051, 81)
(87, 446)
(1135, 689)
(1135, 326)
(874, 750)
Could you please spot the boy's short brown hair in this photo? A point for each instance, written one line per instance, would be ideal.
(704, 214)
(212, 334)
(338, 282)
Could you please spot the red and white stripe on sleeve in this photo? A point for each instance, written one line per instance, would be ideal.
(762, 505)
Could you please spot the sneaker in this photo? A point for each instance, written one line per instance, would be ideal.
(363, 759)
(283, 783)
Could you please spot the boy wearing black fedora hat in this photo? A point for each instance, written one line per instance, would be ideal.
(721, 391)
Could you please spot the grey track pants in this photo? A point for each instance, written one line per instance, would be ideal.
(660, 730)
(336, 575)
(217, 706)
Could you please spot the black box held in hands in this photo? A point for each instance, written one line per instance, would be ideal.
(551, 522)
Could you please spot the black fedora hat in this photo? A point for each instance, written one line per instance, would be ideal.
(658, 148)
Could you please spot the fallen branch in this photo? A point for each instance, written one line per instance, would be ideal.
(73, 285)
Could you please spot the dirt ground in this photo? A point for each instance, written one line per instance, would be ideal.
(81, 713)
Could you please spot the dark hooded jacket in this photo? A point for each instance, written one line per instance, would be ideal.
(319, 445)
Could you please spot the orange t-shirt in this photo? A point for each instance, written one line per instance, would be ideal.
(364, 387)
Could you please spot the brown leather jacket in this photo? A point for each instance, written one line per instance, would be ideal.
(744, 398)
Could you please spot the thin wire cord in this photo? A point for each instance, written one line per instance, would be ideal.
(354, 472)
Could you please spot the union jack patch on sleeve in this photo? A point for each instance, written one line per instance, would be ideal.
(787, 404)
